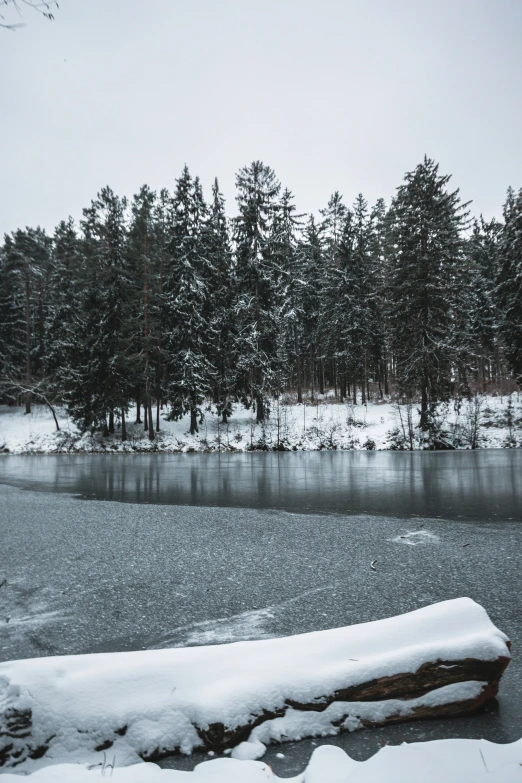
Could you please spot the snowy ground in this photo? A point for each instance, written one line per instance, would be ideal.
(325, 425)
(442, 761)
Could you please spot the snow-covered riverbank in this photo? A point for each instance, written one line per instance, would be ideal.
(483, 422)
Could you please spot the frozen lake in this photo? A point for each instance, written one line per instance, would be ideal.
(208, 549)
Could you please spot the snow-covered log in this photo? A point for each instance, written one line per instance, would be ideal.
(441, 660)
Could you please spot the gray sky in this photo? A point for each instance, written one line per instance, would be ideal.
(333, 94)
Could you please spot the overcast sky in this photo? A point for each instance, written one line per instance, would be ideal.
(333, 94)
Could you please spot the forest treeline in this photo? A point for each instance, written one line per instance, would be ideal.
(163, 300)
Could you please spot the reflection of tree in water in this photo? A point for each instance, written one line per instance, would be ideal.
(461, 484)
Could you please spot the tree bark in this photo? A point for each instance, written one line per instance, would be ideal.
(150, 419)
(423, 424)
(298, 368)
(123, 425)
(260, 408)
(193, 421)
(28, 373)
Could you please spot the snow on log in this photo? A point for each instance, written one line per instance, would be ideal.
(438, 661)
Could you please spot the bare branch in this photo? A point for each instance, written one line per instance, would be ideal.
(43, 7)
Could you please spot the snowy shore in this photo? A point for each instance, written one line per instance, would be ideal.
(483, 422)
(451, 761)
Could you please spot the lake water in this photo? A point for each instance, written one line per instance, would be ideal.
(200, 549)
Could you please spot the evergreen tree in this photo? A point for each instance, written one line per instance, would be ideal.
(292, 283)
(25, 273)
(101, 372)
(188, 333)
(219, 305)
(310, 263)
(426, 251)
(257, 302)
(510, 282)
(62, 322)
(141, 253)
(378, 240)
(480, 334)
(335, 219)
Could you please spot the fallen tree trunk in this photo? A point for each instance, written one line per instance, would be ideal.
(439, 661)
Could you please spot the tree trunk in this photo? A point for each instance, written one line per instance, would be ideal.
(111, 422)
(424, 408)
(193, 421)
(123, 425)
(145, 417)
(138, 407)
(28, 374)
(150, 419)
(298, 368)
(260, 408)
(342, 383)
(158, 413)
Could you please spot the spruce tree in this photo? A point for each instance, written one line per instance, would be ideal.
(510, 282)
(142, 261)
(426, 250)
(102, 357)
(257, 302)
(64, 305)
(219, 304)
(185, 292)
(310, 263)
(25, 275)
(292, 283)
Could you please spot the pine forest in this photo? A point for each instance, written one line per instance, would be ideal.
(167, 303)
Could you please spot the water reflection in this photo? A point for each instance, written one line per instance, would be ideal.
(464, 485)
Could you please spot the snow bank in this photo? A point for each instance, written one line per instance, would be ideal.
(309, 427)
(447, 761)
(140, 704)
